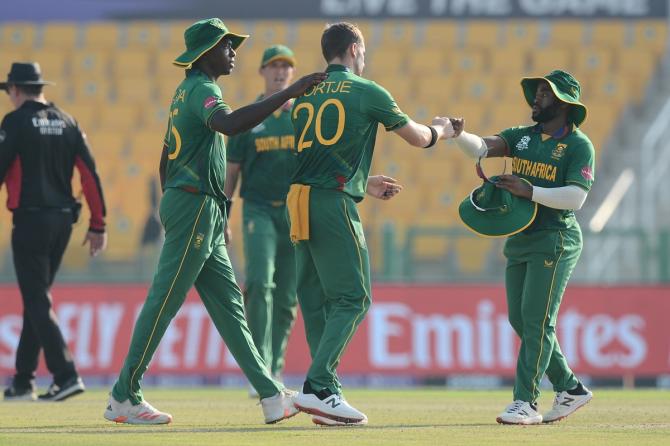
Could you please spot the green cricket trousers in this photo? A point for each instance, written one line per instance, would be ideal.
(194, 252)
(334, 289)
(270, 296)
(539, 265)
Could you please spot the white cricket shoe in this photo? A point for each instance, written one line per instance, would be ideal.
(143, 413)
(565, 404)
(279, 407)
(333, 407)
(519, 412)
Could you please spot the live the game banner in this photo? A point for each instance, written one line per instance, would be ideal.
(74, 10)
(410, 330)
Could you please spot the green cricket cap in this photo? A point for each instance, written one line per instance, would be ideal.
(493, 212)
(565, 87)
(202, 36)
(278, 52)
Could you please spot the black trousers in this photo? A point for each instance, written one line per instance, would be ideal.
(39, 239)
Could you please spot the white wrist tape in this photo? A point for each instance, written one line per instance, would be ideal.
(567, 197)
(472, 145)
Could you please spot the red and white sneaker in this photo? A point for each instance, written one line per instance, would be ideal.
(334, 407)
(279, 407)
(143, 413)
(520, 412)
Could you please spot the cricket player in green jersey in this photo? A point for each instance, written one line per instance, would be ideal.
(335, 128)
(193, 212)
(266, 158)
(553, 166)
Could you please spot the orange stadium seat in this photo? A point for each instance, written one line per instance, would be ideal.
(62, 36)
(639, 61)
(17, 36)
(123, 118)
(54, 63)
(426, 60)
(85, 114)
(478, 87)
(399, 34)
(264, 33)
(385, 60)
(509, 61)
(473, 254)
(471, 61)
(593, 60)
(609, 34)
(545, 60)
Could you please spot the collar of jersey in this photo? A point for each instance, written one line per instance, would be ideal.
(538, 129)
(336, 67)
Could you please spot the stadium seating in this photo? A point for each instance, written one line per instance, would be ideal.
(116, 79)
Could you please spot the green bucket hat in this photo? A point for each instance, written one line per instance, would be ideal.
(493, 212)
(565, 87)
(278, 52)
(202, 36)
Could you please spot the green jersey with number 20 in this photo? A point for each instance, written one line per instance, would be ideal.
(335, 125)
(196, 153)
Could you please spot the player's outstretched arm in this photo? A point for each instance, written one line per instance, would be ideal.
(475, 146)
(231, 123)
(419, 135)
(382, 187)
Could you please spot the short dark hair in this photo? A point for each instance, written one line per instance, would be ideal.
(337, 37)
(30, 90)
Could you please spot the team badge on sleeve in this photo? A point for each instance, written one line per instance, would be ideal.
(210, 102)
(587, 173)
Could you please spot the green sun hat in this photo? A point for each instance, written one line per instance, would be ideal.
(202, 36)
(565, 87)
(493, 212)
(278, 52)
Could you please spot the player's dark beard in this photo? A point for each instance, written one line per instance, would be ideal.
(547, 113)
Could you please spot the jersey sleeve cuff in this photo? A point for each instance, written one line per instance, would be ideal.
(580, 184)
(398, 124)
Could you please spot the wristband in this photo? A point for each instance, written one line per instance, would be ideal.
(433, 137)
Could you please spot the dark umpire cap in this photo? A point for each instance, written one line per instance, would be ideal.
(24, 74)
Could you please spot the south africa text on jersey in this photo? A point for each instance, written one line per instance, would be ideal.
(533, 169)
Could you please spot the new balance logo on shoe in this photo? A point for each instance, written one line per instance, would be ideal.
(333, 402)
(566, 402)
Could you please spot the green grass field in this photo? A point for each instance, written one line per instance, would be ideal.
(211, 416)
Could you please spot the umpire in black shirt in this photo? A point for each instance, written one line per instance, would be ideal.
(39, 147)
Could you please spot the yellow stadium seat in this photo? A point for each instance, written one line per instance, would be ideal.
(156, 118)
(567, 34)
(641, 62)
(600, 122)
(426, 60)
(146, 148)
(308, 60)
(483, 34)
(91, 91)
(398, 34)
(593, 60)
(400, 88)
(479, 88)
(508, 61)
(614, 89)
(132, 63)
(440, 34)
(90, 64)
(471, 61)
(7, 57)
(248, 61)
(508, 114)
(472, 254)
(385, 61)
(85, 114)
(60, 94)
(60, 35)
(175, 34)
(119, 117)
(523, 34)
(546, 60)
(54, 62)
(651, 34)
(609, 34)
(307, 32)
(135, 90)
(17, 35)
(101, 35)
(145, 35)
(265, 33)
(474, 112)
